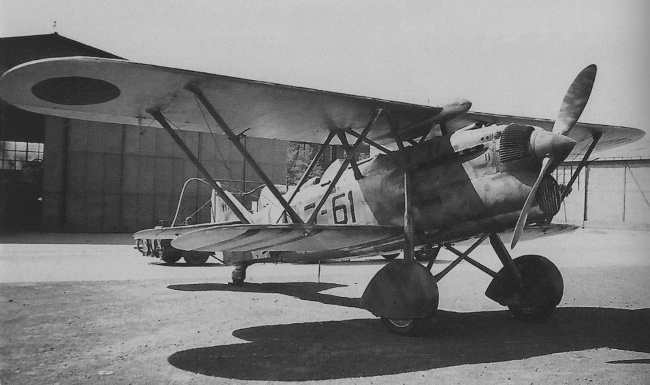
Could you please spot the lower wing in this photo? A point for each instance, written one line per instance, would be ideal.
(538, 230)
(172, 232)
(283, 237)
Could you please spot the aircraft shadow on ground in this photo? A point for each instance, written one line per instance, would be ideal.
(369, 262)
(307, 291)
(362, 347)
(182, 264)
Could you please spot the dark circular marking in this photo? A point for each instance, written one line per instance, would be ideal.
(75, 91)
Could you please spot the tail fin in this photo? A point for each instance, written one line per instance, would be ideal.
(221, 213)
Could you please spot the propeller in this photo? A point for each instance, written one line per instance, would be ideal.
(575, 100)
(555, 146)
(521, 222)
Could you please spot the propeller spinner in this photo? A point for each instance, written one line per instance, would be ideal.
(554, 147)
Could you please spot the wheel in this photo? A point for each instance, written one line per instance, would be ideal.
(163, 249)
(409, 327)
(543, 288)
(195, 258)
(390, 257)
(239, 275)
(171, 257)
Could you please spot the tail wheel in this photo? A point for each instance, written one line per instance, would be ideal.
(543, 287)
(239, 275)
(409, 327)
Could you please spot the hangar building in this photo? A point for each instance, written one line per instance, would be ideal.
(70, 175)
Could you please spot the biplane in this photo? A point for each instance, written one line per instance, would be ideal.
(441, 175)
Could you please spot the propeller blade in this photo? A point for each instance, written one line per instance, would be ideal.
(521, 222)
(575, 100)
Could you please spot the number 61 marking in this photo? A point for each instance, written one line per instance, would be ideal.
(340, 210)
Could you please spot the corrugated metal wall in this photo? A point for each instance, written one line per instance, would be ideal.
(103, 177)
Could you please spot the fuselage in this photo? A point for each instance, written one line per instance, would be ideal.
(465, 184)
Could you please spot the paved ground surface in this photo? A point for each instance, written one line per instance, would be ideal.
(89, 309)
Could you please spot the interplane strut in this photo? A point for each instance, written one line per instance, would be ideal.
(583, 162)
(240, 147)
(155, 112)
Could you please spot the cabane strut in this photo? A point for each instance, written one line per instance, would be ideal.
(346, 163)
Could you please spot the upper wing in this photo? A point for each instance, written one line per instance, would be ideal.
(119, 91)
(582, 133)
(284, 237)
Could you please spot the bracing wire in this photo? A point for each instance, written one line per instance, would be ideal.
(199, 209)
(214, 138)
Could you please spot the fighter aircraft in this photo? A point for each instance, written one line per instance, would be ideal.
(441, 175)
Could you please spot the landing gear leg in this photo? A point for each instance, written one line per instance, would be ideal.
(531, 285)
(239, 274)
(403, 293)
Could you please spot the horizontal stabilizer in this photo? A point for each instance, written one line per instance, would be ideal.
(283, 237)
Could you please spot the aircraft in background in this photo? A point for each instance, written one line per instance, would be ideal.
(442, 175)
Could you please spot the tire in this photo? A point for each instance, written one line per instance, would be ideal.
(171, 257)
(166, 252)
(239, 275)
(195, 258)
(390, 257)
(411, 327)
(543, 288)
